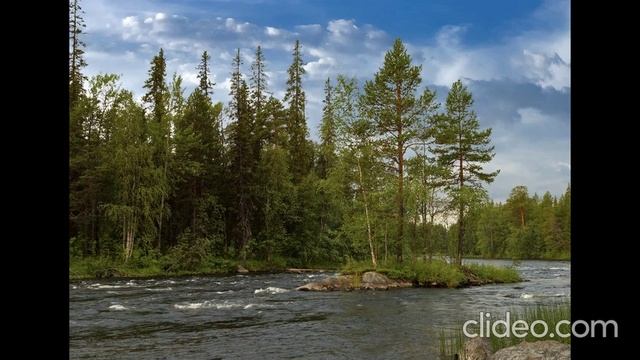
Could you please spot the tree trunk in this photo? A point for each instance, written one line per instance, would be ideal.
(400, 155)
(386, 249)
(461, 210)
(97, 250)
(400, 204)
(166, 155)
(414, 235)
(366, 213)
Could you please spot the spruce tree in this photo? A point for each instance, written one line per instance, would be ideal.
(76, 59)
(327, 155)
(299, 151)
(204, 75)
(156, 100)
(242, 157)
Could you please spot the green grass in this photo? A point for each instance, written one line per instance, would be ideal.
(159, 266)
(452, 340)
(163, 266)
(437, 273)
(494, 274)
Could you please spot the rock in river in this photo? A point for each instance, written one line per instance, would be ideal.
(370, 280)
(479, 349)
(537, 350)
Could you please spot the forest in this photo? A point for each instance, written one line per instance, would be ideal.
(184, 180)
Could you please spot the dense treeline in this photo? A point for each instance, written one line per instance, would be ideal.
(524, 227)
(165, 178)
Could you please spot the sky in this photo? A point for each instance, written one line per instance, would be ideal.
(514, 56)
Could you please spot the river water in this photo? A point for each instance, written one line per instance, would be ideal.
(262, 317)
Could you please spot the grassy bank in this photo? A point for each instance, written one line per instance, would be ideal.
(101, 268)
(437, 273)
(556, 257)
(452, 340)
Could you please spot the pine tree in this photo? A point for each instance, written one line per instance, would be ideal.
(390, 100)
(299, 151)
(464, 148)
(76, 59)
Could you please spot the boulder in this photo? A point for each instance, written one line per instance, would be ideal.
(370, 280)
(477, 349)
(241, 270)
(331, 283)
(537, 350)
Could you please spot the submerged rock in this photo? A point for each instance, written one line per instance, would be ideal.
(370, 280)
(537, 350)
(477, 349)
(480, 349)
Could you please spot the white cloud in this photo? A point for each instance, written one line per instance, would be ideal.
(130, 22)
(310, 28)
(232, 25)
(528, 152)
(532, 116)
(271, 31)
(341, 30)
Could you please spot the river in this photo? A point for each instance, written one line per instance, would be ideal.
(261, 316)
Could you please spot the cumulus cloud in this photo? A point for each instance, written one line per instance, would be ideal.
(521, 82)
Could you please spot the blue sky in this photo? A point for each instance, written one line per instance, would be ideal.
(513, 55)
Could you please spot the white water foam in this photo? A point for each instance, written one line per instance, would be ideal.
(559, 268)
(159, 289)
(526, 296)
(224, 292)
(271, 290)
(208, 305)
(100, 286)
(117, 307)
(259, 306)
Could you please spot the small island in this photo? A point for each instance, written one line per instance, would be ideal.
(435, 273)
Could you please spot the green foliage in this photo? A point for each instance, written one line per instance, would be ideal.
(545, 232)
(76, 58)
(163, 186)
(300, 151)
(462, 147)
(494, 274)
(436, 273)
(400, 117)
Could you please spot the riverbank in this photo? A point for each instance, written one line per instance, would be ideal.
(435, 273)
(105, 268)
